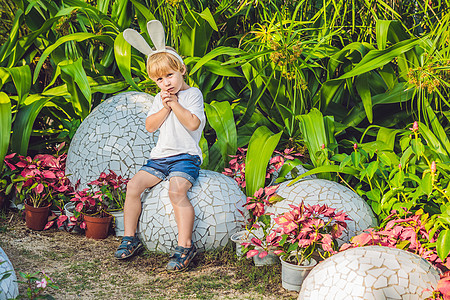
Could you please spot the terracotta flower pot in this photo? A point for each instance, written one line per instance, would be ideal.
(36, 217)
(97, 228)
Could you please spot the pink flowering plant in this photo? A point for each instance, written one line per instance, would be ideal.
(42, 178)
(236, 168)
(37, 284)
(306, 229)
(113, 188)
(404, 230)
(263, 239)
(257, 204)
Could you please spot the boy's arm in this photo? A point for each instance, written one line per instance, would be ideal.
(188, 119)
(154, 121)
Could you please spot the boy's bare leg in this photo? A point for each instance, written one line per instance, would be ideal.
(183, 209)
(132, 207)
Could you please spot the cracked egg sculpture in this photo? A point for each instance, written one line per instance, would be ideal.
(333, 194)
(8, 286)
(216, 199)
(371, 273)
(112, 137)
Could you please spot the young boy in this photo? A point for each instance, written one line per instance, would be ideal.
(178, 113)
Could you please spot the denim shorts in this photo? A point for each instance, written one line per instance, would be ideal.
(181, 165)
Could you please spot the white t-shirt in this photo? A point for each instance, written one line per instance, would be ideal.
(174, 138)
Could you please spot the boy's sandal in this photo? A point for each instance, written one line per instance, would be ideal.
(181, 258)
(129, 246)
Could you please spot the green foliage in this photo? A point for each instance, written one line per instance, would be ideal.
(220, 117)
(260, 149)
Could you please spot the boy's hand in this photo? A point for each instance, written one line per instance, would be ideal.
(168, 99)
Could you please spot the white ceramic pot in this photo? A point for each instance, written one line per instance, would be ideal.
(119, 227)
(239, 238)
(270, 259)
(292, 275)
(69, 208)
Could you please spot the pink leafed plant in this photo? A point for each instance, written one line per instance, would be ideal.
(236, 168)
(262, 238)
(407, 231)
(42, 178)
(113, 187)
(307, 229)
(262, 198)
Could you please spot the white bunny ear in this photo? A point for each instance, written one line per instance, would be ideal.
(137, 41)
(156, 31)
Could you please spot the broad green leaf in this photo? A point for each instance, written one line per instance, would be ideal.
(417, 147)
(23, 125)
(382, 29)
(427, 183)
(5, 126)
(103, 5)
(397, 95)
(206, 15)
(76, 37)
(220, 117)
(122, 52)
(387, 136)
(378, 58)
(78, 86)
(262, 144)
(213, 54)
(216, 67)
(21, 77)
(443, 244)
(317, 131)
(372, 168)
(362, 86)
(122, 13)
(10, 43)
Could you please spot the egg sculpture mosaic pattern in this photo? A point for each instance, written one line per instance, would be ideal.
(371, 273)
(216, 199)
(333, 194)
(8, 286)
(112, 137)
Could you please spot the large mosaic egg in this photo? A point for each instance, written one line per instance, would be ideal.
(371, 273)
(8, 286)
(216, 199)
(333, 194)
(112, 137)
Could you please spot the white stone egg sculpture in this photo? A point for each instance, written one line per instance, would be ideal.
(8, 287)
(334, 195)
(112, 137)
(216, 199)
(371, 273)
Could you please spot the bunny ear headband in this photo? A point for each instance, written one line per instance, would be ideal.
(156, 31)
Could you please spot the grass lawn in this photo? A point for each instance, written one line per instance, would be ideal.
(86, 269)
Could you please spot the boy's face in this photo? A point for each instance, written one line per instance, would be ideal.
(172, 82)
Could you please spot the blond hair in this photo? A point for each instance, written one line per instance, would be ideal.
(161, 63)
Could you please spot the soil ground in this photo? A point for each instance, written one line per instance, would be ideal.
(86, 269)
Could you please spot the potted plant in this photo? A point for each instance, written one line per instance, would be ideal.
(263, 242)
(302, 232)
(40, 182)
(113, 187)
(8, 177)
(257, 224)
(91, 212)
